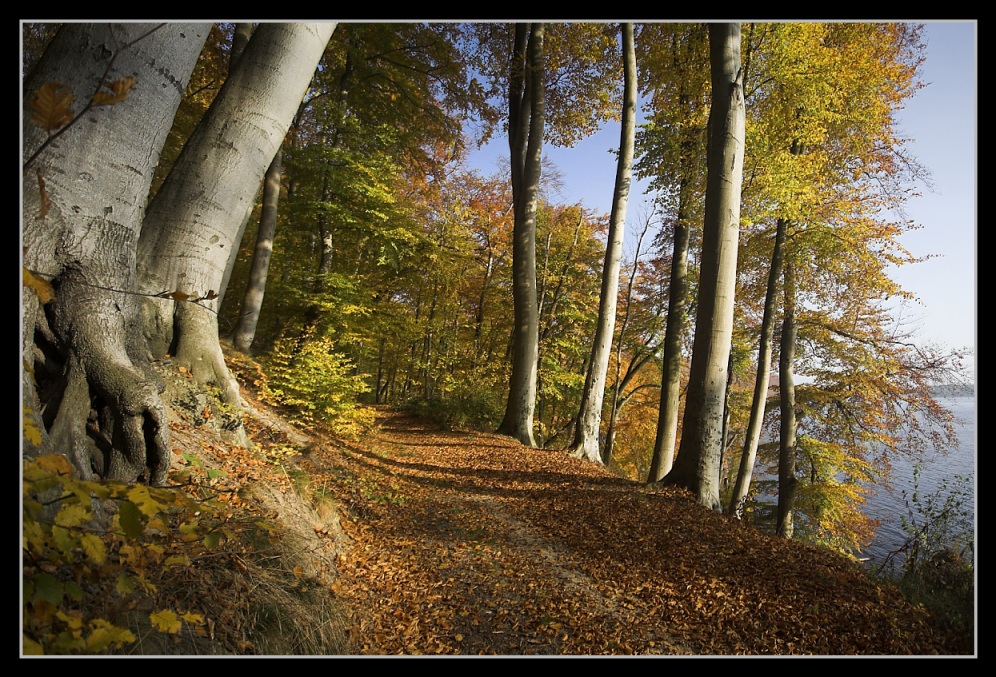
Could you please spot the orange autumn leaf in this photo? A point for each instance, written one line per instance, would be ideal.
(119, 90)
(51, 106)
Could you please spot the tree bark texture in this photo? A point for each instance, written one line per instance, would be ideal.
(764, 350)
(586, 432)
(786, 387)
(252, 302)
(526, 121)
(193, 226)
(83, 200)
(674, 339)
(699, 455)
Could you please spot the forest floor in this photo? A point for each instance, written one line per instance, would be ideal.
(457, 542)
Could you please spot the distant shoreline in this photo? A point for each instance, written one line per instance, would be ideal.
(954, 390)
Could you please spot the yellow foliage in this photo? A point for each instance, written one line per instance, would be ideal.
(30, 647)
(166, 621)
(141, 496)
(70, 562)
(41, 287)
(31, 431)
(105, 636)
(94, 548)
(56, 464)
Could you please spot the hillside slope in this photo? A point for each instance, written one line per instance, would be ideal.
(411, 540)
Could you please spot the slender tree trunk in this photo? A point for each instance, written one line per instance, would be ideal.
(590, 416)
(764, 349)
(252, 302)
(84, 193)
(786, 386)
(674, 339)
(697, 465)
(240, 38)
(526, 121)
(192, 226)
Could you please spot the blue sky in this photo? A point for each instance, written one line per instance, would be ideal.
(941, 119)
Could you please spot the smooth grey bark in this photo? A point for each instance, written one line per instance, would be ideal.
(763, 377)
(698, 463)
(787, 481)
(585, 443)
(674, 339)
(83, 356)
(193, 225)
(525, 137)
(252, 302)
(240, 38)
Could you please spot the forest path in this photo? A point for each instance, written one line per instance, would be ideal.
(469, 543)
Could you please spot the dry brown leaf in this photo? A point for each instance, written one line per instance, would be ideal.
(51, 106)
(119, 90)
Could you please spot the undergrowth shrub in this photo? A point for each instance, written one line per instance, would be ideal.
(464, 406)
(113, 568)
(318, 384)
(93, 553)
(937, 558)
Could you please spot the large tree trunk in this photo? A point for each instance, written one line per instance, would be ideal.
(786, 387)
(525, 136)
(83, 357)
(698, 464)
(590, 415)
(194, 224)
(763, 377)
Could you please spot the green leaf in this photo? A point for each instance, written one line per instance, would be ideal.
(68, 642)
(131, 519)
(73, 591)
(124, 584)
(48, 588)
(31, 431)
(64, 541)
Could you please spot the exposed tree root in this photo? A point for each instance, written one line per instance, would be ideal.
(104, 411)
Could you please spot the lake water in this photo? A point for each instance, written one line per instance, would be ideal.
(889, 506)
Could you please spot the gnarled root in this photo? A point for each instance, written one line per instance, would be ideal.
(108, 416)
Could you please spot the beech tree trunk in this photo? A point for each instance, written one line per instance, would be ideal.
(193, 226)
(590, 416)
(764, 349)
(674, 339)
(786, 387)
(83, 357)
(525, 137)
(699, 455)
(252, 302)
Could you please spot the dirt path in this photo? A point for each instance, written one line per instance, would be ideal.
(468, 543)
